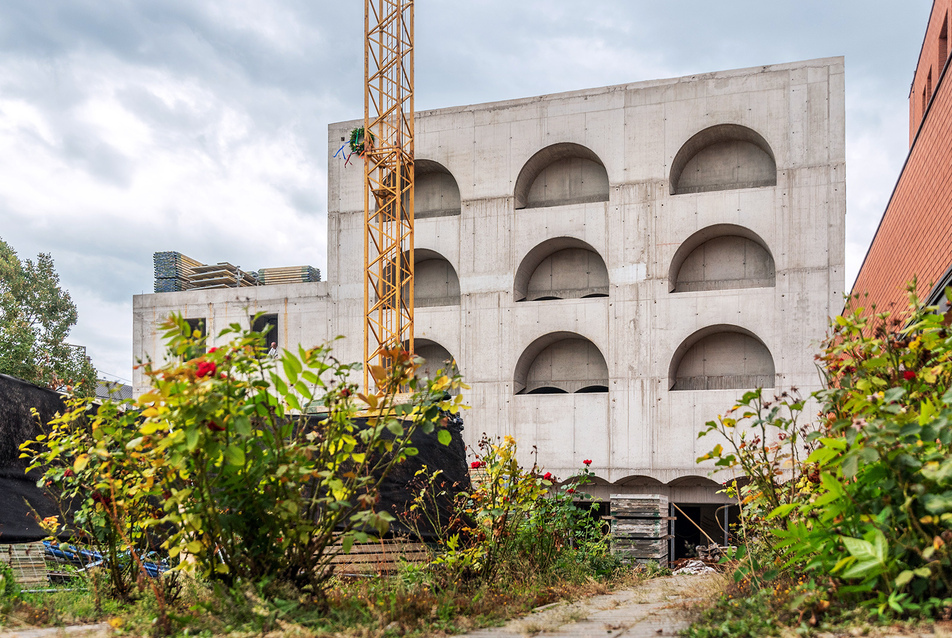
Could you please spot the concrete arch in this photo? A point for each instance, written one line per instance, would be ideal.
(436, 358)
(721, 357)
(694, 480)
(564, 173)
(639, 480)
(561, 268)
(435, 280)
(436, 192)
(725, 156)
(560, 363)
(722, 256)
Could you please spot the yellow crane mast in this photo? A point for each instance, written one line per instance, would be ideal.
(388, 173)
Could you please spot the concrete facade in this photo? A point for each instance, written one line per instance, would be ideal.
(610, 268)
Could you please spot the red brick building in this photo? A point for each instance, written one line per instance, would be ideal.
(914, 237)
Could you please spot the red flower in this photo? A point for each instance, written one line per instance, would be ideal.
(214, 426)
(547, 476)
(68, 473)
(206, 368)
(570, 491)
(345, 392)
(211, 350)
(587, 462)
(475, 465)
(909, 375)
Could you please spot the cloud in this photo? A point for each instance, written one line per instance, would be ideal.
(133, 127)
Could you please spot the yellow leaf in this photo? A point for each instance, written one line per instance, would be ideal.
(194, 547)
(81, 462)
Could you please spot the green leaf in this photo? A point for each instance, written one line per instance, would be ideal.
(194, 547)
(242, 425)
(347, 543)
(904, 577)
(395, 427)
(234, 455)
(782, 510)
(191, 438)
(445, 437)
(850, 465)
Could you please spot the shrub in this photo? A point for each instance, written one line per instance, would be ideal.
(869, 509)
(221, 461)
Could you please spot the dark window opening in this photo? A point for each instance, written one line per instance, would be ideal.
(944, 43)
(547, 390)
(595, 295)
(267, 325)
(717, 521)
(550, 298)
(589, 389)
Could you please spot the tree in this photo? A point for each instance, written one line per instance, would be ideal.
(35, 318)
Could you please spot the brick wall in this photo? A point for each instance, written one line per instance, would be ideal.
(915, 234)
(932, 59)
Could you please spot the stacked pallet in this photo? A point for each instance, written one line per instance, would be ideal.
(173, 271)
(28, 561)
(221, 275)
(380, 557)
(289, 275)
(639, 527)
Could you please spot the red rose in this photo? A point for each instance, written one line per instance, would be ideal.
(211, 350)
(570, 491)
(547, 476)
(475, 465)
(345, 392)
(909, 375)
(215, 427)
(68, 473)
(206, 368)
(587, 462)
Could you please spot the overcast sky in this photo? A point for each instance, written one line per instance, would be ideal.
(129, 127)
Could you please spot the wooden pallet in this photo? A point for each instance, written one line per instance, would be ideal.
(639, 527)
(289, 275)
(380, 557)
(28, 561)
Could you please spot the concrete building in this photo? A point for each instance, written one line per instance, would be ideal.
(914, 237)
(610, 268)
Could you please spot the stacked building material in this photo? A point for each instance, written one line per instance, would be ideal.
(639, 525)
(221, 275)
(289, 275)
(173, 271)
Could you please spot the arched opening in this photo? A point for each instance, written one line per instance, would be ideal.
(721, 257)
(561, 362)
(560, 174)
(561, 268)
(723, 157)
(722, 357)
(436, 193)
(436, 358)
(435, 282)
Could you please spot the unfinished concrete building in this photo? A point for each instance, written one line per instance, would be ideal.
(609, 268)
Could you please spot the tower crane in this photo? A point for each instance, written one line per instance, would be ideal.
(388, 179)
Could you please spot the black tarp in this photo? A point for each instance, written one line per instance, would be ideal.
(18, 490)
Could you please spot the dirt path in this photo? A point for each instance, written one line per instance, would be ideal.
(657, 607)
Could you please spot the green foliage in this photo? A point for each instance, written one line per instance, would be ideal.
(9, 589)
(220, 460)
(870, 507)
(35, 319)
(523, 527)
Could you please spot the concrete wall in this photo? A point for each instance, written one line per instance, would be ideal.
(607, 159)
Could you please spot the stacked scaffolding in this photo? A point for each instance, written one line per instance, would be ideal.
(173, 271)
(221, 275)
(289, 275)
(639, 527)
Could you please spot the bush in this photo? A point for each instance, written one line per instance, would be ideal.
(869, 509)
(219, 460)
